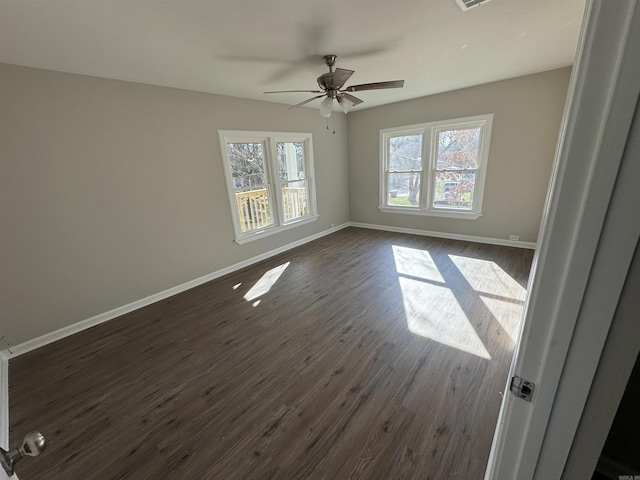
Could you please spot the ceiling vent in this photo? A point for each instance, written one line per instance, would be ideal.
(467, 4)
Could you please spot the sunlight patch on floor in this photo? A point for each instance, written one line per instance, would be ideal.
(265, 283)
(507, 313)
(486, 276)
(433, 312)
(416, 263)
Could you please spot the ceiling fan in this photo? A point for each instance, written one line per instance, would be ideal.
(332, 84)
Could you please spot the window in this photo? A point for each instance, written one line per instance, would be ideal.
(269, 180)
(435, 168)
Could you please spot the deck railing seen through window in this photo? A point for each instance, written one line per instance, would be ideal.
(253, 207)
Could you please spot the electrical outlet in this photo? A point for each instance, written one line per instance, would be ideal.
(514, 237)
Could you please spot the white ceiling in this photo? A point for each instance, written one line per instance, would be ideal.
(244, 47)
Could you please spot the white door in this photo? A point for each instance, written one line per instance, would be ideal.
(590, 228)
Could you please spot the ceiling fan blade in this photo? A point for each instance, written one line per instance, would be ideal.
(296, 91)
(352, 99)
(340, 76)
(334, 80)
(375, 86)
(305, 102)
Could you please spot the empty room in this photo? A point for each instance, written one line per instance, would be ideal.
(287, 240)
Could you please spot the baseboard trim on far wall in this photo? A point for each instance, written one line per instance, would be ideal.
(67, 331)
(450, 236)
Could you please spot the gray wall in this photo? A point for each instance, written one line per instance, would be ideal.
(112, 191)
(527, 116)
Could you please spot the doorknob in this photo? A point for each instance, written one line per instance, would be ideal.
(32, 445)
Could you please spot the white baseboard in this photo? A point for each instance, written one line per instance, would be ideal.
(450, 236)
(4, 400)
(64, 332)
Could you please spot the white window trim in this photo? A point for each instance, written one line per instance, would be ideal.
(429, 131)
(269, 139)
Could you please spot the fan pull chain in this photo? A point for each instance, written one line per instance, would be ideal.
(333, 123)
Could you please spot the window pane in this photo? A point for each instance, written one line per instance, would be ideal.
(254, 209)
(294, 200)
(458, 149)
(291, 160)
(454, 190)
(247, 164)
(405, 153)
(403, 189)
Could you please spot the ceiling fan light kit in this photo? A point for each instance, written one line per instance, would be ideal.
(331, 87)
(326, 106)
(345, 104)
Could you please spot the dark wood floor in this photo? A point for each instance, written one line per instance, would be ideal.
(318, 378)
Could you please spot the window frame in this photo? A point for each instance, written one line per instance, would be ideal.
(273, 183)
(429, 132)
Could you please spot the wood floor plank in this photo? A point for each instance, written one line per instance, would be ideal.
(374, 355)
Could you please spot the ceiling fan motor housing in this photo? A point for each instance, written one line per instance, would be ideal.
(325, 82)
(334, 80)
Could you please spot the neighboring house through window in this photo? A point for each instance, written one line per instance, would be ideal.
(435, 168)
(269, 180)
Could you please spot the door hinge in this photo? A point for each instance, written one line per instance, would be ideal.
(522, 388)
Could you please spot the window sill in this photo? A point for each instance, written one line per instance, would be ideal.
(432, 213)
(266, 232)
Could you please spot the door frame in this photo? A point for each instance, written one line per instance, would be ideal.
(586, 243)
(4, 410)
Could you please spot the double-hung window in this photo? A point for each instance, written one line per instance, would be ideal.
(435, 168)
(269, 181)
